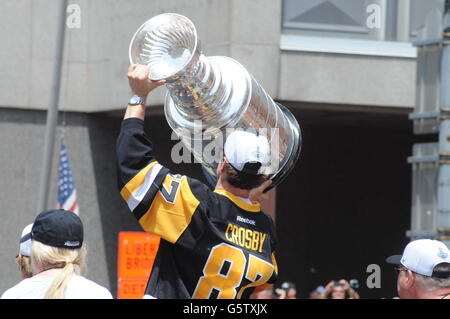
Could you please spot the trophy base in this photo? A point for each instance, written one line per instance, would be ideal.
(289, 162)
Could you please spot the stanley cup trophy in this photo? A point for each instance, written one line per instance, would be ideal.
(209, 96)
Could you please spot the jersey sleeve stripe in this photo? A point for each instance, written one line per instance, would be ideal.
(138, 195)
(145, 203)
(136, 182)
(170, 220)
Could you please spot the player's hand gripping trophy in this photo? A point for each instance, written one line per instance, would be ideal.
(208, 97)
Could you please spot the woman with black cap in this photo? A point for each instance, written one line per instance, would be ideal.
(57, 259)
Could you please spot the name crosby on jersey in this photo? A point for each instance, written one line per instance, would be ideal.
(245, 237)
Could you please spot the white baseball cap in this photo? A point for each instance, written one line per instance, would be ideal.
(422, 256)
(25, 241)
(247, 152)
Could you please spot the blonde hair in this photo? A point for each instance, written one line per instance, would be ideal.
(44, 257)
(24, 265)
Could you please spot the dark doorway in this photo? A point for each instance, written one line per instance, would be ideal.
(347, 203)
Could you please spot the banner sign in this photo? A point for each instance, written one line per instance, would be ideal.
(137, 251)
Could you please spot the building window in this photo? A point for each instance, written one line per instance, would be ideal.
(399, 20)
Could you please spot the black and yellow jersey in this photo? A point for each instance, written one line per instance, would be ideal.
(213, 243)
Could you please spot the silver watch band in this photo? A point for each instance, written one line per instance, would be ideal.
(136, 100)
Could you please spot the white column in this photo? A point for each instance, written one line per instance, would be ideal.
(403, 20)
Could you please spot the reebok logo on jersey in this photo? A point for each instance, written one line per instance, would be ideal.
(245, 220)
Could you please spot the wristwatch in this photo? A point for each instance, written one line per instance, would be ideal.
(136, 100)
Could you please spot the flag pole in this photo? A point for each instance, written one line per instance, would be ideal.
(52, 112)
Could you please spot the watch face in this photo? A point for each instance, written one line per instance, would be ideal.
(135, 100)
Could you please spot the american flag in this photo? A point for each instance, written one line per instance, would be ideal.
(67, 194)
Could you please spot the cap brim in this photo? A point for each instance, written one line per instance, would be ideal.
(395, 259)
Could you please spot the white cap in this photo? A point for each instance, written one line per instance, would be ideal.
(243, 147)
(25, 241)
(422, 255)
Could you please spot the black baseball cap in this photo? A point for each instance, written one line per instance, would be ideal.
(58, 228)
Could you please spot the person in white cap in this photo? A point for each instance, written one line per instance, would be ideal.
(423, 270)
(214, 243)
(23, 257)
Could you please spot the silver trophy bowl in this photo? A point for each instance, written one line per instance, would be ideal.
(208, 97)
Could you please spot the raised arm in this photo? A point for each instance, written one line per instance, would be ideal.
(141, 86)
(134, 149)
(164, 204)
